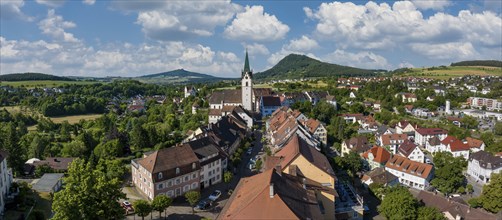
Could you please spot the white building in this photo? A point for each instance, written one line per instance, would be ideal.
(212, 161)
(422, 135)
(190, 91)
(490, 104)
(411, 151)
(5, 180)
(482, 164)
(410, 173)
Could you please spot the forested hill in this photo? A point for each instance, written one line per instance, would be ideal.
(493, 63)
(296, 66)
(178, 76)
(32, 77)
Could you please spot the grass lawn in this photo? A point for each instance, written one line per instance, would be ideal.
(44, 83)
(455, 71)
(75, 118)
(43, 203)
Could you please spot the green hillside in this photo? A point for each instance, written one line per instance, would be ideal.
(296, 66)
(492, 63)
(177, 77)
(32, 77)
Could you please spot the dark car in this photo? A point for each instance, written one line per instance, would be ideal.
(204, 205)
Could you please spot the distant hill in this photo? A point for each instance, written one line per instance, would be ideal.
(492, 63)
(32, 77)
(296, 66)
(178, 76)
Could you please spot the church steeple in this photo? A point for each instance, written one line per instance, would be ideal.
(246, 64)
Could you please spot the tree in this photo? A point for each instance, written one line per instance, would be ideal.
(227, 177)
(469, 189)
(429, 213)
(88, 194)
(469, 122)
(16, 152)
(461, 190)
(398, 204)
(142, 208)
(448, 174)
(192, 198)
(498, 128)
(491, 197)
(160, 203)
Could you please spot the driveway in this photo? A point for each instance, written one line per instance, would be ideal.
(478, 188)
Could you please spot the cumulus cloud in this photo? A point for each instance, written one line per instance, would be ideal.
(12, 10)
(362, 59)
(453, 50)
(114, 59)
(179, 20)
(89, 2)
(302, 44)
(51, 3)
(431, 4)
(375, 26)
(54, 26)
(256, 25)
(256, 49)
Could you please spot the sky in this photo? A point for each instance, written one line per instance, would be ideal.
(132, 38)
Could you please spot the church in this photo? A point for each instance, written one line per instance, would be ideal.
(245, 101)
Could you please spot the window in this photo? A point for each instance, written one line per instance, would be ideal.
(194, 175)
(246, 82)
(160, 186)
(187, 177)
(169, 183)
(159, 176)
(177, 170)
(170, 193)
(194, 185)
(194, 166)
(178, 181)
(202, 176)
(186, 188)
(217, 162)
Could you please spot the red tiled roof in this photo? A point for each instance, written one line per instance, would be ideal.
(387, 138)
(380, 155)
(455, 144)
(474, 143)
(403, 164)
(431, 131)
(406, 148)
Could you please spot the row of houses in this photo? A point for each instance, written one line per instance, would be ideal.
(195, 164)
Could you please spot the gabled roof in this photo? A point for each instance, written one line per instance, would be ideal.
(296, 147)
(358, 144)
(455, 144)
(434, 141)
(403, 164)
(380, 175)
(406, 148)
(311, 124)
(387, 138)
(227, 96)
(271, 101)
(486, 160)
(168, 159)
(271, 195)
(56, 163)
(474, 143)
(380, 155)
(454, 208)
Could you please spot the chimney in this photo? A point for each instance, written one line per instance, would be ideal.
(271, 190)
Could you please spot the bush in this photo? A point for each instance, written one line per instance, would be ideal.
(474, 202)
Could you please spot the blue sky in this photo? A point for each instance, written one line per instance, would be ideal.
(132, 38)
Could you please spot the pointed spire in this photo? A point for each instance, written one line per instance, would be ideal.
(246, 63)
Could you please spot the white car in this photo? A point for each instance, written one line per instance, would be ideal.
(428, 161)
(215, 195)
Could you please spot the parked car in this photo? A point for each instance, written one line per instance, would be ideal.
(428, 161)
(255, 158)
(250, 150)
(127, 206)
(215, 195)
(251, 165)
(203, 205)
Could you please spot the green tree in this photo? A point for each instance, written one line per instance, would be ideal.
(469, 122)
(498, 128)
(429, 213)
(88, 194)
(448, 174)
(16, 152)
(469, 189)
(398, 204)
(259, 164)
(491, 197)
(227, 177)
(160, 203)
(142, 208)
(192, 198)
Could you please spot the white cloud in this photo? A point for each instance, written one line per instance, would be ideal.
(54, 26)
(179, 20)
(256, 49)
(256, 25)
(11, 9)
(384, 27)
(362, 59)
(431, 4)
(406, 64)
(455, 51)
(114, 59)
(302, 44)
(89, 2)
(51, 3)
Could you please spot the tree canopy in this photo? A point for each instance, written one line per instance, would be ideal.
(448, 173)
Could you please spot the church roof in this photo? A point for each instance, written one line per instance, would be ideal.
(227, 96)
(246, 64)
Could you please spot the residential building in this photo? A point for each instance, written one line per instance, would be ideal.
(490, 104)
(407, 97)
(351, 118)
(456, 147)
(434, 145)
(376, 157)
(453, 209)
(410, 173)
(5, 180)
(422, 135)
(316, 96)
(213, 161)
(316, 128)
(269, 104)
(404, 127)
(49, 182)
(275, 195)
(482, 164)
(331, 100)
(298, 157)
(392, 141)
(380, 176)
(475, 144)
(411, 151)
(216, 114)
(190, 91)
(357, 144)
(169, 171)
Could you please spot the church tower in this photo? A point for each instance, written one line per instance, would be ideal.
(247, 86)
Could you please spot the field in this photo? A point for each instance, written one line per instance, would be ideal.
(44, 83)
(71, 119)
(455, 71)
(319, 84)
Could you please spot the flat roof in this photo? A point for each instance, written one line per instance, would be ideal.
(47, 182)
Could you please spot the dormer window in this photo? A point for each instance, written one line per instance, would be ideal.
(159, 176)
(177, 170)
(194, 166)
